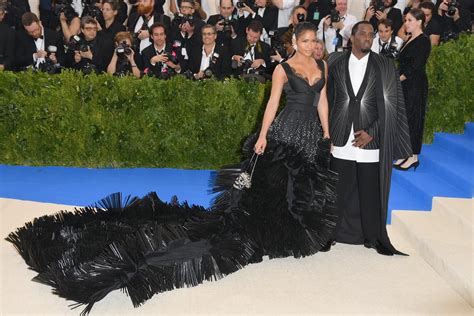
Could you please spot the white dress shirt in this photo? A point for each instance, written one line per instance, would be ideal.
(144, 43)
(377, 44)
(329, 36)
(206, 59)
(357, 68)
(284, 13)
(39, 43)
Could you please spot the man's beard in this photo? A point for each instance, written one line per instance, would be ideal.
(365, 50)
(144, 9)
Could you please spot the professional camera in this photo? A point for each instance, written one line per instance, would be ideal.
(240, 4)
(335, 17)
(76, 43)
(300, 17)
(135, 40)
(227, 24)
(90, 9)
(377, 5)
(276, 43)
(452, 6)
(183, 18)
(123, 49)
(65, 6)
(48, 65)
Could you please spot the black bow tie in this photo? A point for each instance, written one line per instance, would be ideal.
(39, 38)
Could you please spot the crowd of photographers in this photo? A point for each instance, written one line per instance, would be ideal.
(240, 38)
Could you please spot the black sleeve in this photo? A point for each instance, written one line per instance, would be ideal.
(419, 54)
(396, 16)
(24, 55)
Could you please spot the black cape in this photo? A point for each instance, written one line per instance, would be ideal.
(394, 137)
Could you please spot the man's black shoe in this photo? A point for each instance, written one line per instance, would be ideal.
(328, 246)
(379, 247)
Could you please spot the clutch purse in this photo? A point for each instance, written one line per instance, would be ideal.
(244, 179)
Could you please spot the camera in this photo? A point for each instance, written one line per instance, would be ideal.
(377, 5)
(391, 51)
(227, 24)
(90, 9)
(300, 17)
(65, 6)
(48, 65)
(123, 49)
(452, 6)
(76, 43)
(276, 43)
(135, 40)
(183, 18)
(240, 4)
(335, 17)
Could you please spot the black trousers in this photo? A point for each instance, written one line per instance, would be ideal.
(359, 206)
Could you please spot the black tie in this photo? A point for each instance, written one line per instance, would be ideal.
(159, 52)
(39, 38)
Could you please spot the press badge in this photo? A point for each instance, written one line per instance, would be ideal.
(316, 16)
(335, 41)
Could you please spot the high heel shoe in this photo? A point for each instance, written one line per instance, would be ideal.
(414, 165)
(401, 162)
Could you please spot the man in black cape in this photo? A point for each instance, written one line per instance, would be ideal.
(369, 130)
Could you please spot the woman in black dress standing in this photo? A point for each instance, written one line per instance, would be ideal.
(413, 57)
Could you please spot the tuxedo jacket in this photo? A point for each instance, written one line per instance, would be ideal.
(148, 53)
(157, 17)
(239, 28)
(7, 46)
(240, 45)
(269, 19)
(220, 68)
(114, 28)
(25, 47)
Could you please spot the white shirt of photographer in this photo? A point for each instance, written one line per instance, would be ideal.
(376, 47)
(357, 68)
(144, 43)
(206, 59)
(330, 34)
(284, 13)
(251, 55)
(39, 43)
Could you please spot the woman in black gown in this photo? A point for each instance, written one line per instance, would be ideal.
(413, 57)
(146, 246)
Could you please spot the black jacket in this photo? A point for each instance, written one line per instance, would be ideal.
(157, 17)
(148, 53)
(220, 62)
(7, 46)
(395, 15)
(102, 50)
(269, 19)
(114, 28)
(25, 47)
(221, 36)
(240, 46)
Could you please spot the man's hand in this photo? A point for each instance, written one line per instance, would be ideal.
(327, 22)
(338, 25)
(257, 63)
(238, 59)
(143, 34)
(87, 54)
(277, 57)
(220, 26)
(41, 54)
(361, 139)
(369, 13)
(77, 57)
(131, 56)
(159, 59)
(199, 75)
(380, 15)
(248, 9)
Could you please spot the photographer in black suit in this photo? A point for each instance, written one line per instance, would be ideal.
(454, 19)
(124, 60)
(7, 43)
(90, 51)
(250, 55)
(210, 60)
(161, 59)
(263, 11)
(140, 21)
(226, 23)
(109, 24)
(37, 46)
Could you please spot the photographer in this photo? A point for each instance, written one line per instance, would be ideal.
(161, 59)
(384, 10)
(124, 60)
(226, 23)
(455, 18)
(335, 29)
(249, 54)
(262, 11)
(386, 43)
(90, 51)
(140, 21)
(108, 24)
(7, 42)
(298, 15)
(37, 46)
(212, 59)
(432, 27)
(68, 19)
(186, 29)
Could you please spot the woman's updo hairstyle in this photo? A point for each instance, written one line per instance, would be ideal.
(302, 27)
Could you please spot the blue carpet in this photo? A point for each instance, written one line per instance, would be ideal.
(446, 169)
(83, 186)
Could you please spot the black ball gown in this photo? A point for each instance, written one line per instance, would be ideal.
(146, 246)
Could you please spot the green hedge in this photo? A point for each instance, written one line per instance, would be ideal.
(451, 84)
(103, 121)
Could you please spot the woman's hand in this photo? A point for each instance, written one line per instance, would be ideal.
(260, 145)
